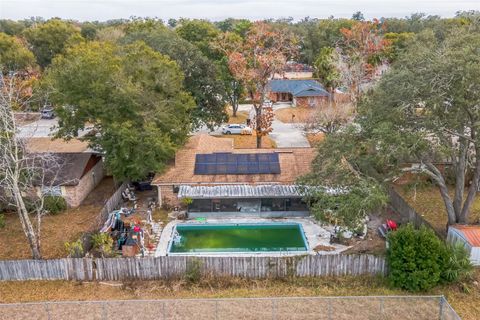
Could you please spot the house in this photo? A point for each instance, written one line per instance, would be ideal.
(77, 169)
(216, 180)
(295, 70)
(301, 93)
(469, 237)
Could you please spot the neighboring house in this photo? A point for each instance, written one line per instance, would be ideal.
(295, 70)
(77, 172)
(216, 180)
(77, 175)
(301, 93)
(469, 237)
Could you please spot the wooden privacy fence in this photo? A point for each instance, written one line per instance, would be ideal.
(403, 208)
(112, 269)
(112, 203)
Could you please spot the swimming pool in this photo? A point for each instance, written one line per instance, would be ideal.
(240, 237)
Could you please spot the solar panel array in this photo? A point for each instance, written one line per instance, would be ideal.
(236, 163)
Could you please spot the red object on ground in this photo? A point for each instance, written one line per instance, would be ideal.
(136, 229)
(392, 225)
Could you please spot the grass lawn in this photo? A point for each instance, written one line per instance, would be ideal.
(301, 114)
(466, 304)
(245, 141)
(56, 230)
(241, 117)
(426, 200)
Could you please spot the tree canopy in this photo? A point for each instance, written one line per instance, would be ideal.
(200, 74)
(50, 38)
(14, 56)
(424, 111)
(132, 95)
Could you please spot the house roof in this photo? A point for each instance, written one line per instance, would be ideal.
(66, 169)
(47, 144)
(469, 233)
(298, 88)
(294, 163)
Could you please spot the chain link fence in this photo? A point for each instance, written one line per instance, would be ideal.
(318, 308)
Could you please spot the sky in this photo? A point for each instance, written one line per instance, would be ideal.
(220, 9)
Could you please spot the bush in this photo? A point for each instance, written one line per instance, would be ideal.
(54, 204)
(74, 249)
(419, 260)
(2, 220)
(193, 271)
(102, 243)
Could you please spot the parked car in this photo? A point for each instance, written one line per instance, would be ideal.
(47, 113)
(236, 129)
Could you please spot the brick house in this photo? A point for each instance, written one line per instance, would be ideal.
(77, 175)
(301, 93)
(215, 179)
(78, 171)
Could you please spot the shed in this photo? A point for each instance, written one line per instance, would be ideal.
(469, 236)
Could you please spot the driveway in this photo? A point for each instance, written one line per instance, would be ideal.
(43, 128)
(288, 135)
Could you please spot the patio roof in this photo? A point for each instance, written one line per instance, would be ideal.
(239, 191)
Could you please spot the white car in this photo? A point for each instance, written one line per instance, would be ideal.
(236, 129)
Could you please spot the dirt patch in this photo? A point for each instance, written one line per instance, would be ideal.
(102, 192)
(295, 115)
(315, 138)
(466, 304)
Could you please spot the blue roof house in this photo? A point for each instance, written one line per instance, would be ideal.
(302, 93)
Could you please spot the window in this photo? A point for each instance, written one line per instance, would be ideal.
(200, 205)
(52, 191)
(273, 204)
(296, 204)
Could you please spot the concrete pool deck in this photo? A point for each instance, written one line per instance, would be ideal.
(314, 234)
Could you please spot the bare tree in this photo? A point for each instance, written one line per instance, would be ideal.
(21, 171)
(329, 118)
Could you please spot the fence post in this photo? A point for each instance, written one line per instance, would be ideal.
(273, 309)
(216, 309)
(382, 306)
(330, 308)
(104, 310)
(163, 311)
(47, 310)
(442, 301)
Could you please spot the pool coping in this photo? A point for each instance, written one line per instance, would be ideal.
(299, 225)
(311, 230)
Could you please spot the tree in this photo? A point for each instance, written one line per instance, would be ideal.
(201, 33)
(21, 171)
(88, 31)
(361, 50)
(201, 78)
(358, 16)
(263, 53)
(13, 55)
(327, 72)
(133, 97)
(10, 27)
(50, 38)
(423, 111)
(329, 119)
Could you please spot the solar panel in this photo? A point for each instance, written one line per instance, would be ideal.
(230, 163)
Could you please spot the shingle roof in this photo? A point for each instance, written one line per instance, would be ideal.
(471, 234)
(68, 168)
(294, 163)
(298, 88)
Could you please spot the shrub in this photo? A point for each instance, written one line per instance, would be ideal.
(54, 204)
(419, 260)
(102, 243)
(74, 249)
(2, 220)
(456, 265)
(193, 271)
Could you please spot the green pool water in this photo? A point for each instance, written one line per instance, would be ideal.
(238, 238)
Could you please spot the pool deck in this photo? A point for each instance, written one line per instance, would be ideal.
(315, 235)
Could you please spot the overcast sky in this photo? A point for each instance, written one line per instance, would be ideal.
(221, 9)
